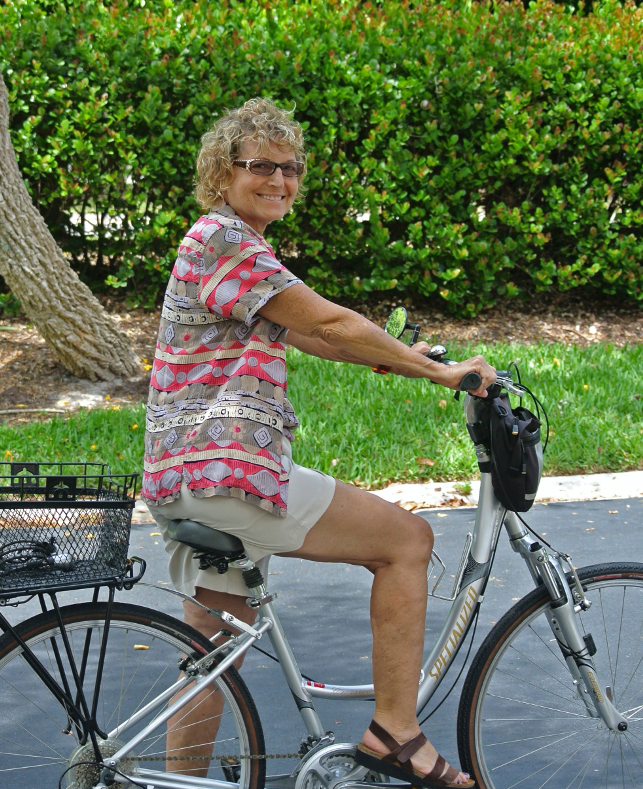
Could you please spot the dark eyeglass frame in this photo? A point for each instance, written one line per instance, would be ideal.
(247, 165)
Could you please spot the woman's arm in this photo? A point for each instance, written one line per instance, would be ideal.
(320, 348)
(315, 346)
(319, 327)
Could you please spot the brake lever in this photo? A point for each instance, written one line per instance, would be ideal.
(510, 386)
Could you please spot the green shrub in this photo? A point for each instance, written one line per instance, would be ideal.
(462, 151)
(9, 304)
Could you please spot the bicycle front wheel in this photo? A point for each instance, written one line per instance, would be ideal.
(38, 742)
(522, 722)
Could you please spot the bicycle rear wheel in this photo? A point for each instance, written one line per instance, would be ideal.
(522, 722)
(37, 742)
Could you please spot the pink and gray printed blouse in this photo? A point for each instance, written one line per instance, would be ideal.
(217, 409)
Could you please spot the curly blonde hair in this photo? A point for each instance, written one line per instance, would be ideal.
(259, 121)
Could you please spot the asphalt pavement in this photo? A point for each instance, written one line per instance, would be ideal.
(324, 609)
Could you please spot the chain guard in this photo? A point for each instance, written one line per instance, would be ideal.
(334, 767)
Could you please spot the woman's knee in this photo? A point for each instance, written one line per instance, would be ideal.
(418, 540)
(406, 538)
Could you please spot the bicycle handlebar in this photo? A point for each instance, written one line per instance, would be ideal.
(503, 381)
(471, 380)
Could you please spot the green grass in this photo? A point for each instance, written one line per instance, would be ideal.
(373, 429)
(113, 436)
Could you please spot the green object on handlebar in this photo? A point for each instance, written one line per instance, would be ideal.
(397, 324)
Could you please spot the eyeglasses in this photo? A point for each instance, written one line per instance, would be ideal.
(266, 167)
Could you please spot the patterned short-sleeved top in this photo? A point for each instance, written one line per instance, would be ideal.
(217, 409)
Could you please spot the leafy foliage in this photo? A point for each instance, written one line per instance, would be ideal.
(463, 151)
(375, 429)
(9, 304)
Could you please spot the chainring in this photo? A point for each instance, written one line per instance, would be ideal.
(333, 766)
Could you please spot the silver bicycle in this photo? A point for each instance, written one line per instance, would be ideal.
(553, 697)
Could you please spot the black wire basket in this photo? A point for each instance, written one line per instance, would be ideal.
(63, 526)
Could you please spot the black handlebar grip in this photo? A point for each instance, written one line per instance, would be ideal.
(470, 381)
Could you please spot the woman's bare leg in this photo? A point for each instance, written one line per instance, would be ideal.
(198, 721)
(360, 528)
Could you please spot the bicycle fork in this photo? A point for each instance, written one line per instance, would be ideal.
(567, 601)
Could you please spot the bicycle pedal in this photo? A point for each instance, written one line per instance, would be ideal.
(231, 768)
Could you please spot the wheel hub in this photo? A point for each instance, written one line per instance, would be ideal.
(85, 773)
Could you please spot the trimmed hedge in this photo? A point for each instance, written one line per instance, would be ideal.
(460, 150)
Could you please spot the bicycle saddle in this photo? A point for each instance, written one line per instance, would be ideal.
(203, 538)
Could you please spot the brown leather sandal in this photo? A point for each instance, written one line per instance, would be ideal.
(397, 763)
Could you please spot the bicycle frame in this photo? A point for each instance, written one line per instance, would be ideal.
(490, 518)
(566, 599)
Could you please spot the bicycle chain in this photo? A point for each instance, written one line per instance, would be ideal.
(219, 757)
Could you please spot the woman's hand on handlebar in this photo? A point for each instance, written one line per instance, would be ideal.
(421, 347)
(453, 374)
(477, 364)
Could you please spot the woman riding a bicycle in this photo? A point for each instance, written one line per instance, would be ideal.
(220, 426)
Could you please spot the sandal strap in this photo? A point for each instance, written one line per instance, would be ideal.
(409, 748)
(436, 773)
(400, 753)
(438, 769)
(383, 736)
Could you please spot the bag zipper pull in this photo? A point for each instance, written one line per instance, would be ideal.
(514, 427)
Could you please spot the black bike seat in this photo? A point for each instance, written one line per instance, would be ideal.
(203, 538)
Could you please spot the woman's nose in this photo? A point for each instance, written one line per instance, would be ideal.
(277, 178)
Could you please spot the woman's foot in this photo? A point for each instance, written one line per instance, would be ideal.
(424, 759)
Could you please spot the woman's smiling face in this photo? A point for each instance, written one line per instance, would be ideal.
(260, 199)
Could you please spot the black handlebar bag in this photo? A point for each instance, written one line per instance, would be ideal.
(516, 454)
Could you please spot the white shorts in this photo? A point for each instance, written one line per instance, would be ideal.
(309, 495)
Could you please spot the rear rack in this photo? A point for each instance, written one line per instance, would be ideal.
(63, 526)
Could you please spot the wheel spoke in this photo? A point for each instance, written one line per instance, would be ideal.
(533, 704)
(34, 720)
(28, 766)
(523, 730)
(532, 774)
(531, 753)
(176, 728)
(539, 688)
(27, 700)
(584, 769)
(625, 765)
(556, 736)
(548, 646)
(638, 640)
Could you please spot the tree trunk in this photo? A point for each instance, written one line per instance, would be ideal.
(63, 309)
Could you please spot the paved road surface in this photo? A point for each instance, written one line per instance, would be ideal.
(324, 609)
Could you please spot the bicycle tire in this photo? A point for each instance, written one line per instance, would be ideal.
(521, 721)
(144, 648)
